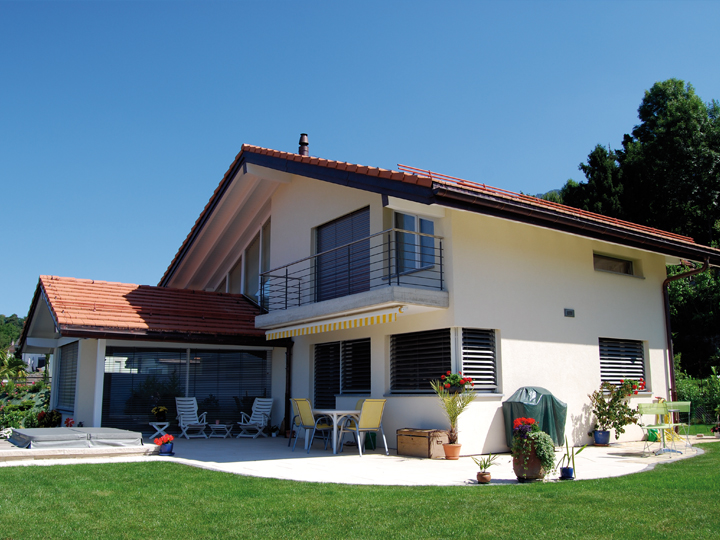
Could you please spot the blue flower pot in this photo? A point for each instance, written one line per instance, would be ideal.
(602, 438)
(166, 449)
(566, 473)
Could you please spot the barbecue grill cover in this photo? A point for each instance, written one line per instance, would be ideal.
(535, 402)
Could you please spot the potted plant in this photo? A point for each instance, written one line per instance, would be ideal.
(611, 410)
(455, 393)
(483, 477)
(568, 471)
(533, 450)
(160, 412)
(274, 430)
(166, 444)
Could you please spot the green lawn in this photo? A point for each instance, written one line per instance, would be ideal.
(701, 428)
(170, 501)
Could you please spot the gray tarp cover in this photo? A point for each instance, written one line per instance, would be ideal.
(540, 404)
(61, 437)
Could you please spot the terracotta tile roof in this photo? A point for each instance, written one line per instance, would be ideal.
(434, 182)
(444, 179)
(85, 307)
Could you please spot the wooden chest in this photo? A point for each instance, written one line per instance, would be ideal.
(425, 443)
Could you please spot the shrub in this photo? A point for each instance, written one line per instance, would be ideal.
(704, 394)
(49, 419)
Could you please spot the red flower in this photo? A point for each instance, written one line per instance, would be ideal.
(442, 377)
(448, 372)
(447, 385)
(167, 438)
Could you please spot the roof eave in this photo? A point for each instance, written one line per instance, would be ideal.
(516, 211)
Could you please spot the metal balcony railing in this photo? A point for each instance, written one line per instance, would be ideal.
(391, 257)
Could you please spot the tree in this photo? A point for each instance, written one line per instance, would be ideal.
(10, 330)
(695, 316)
(667, 173)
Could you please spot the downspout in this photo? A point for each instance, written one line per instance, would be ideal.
(668, 330)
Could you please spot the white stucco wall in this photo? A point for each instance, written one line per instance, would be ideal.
(513, 278)
(89, 389)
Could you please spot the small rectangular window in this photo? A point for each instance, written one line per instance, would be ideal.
(621, 359)
(612, 264)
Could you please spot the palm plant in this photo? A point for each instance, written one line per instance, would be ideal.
(453, 404)
(10, 367)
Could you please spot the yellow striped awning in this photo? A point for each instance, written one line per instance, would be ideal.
(340, 323)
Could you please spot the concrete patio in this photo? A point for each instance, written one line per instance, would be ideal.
(271, 458)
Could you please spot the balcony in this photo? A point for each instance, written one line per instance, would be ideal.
(391, 268)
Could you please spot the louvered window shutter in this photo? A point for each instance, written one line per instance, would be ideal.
(67, 375)
(347, 270)
(356, 366)
(327, 374)
(418, 358)
(478, 358)
(621, 359)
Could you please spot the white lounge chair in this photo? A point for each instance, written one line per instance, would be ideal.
(188, 418)
(254, 425)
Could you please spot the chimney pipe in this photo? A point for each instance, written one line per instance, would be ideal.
(303, 150)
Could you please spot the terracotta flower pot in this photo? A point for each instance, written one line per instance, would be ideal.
(483, 477)
(530, 471)
(452, 451)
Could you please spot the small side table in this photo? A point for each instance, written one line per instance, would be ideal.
(220, 431)
(160, 428)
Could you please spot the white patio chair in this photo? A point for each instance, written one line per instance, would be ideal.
(254, 425)
(188, 418)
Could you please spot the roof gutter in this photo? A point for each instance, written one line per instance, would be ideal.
(668, 330)
(536, 216)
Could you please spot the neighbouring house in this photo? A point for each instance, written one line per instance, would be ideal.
(307, 277)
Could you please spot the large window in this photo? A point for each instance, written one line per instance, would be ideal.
(344, 266)
(244, 277)
(621, 359)
(224, 382)
(342, 367)
(67, 377)
(418, 358)
(414, 251)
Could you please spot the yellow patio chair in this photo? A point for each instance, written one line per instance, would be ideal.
(307, 421)
(681, 407)
(370, 420)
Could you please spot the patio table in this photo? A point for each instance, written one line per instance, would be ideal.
(220, 431)
(336, 415)
(159, 428)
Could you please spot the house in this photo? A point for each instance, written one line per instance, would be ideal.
(308, 277)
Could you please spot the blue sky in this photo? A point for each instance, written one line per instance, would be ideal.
(119, 118)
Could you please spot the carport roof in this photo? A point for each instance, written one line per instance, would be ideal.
(102, 309)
